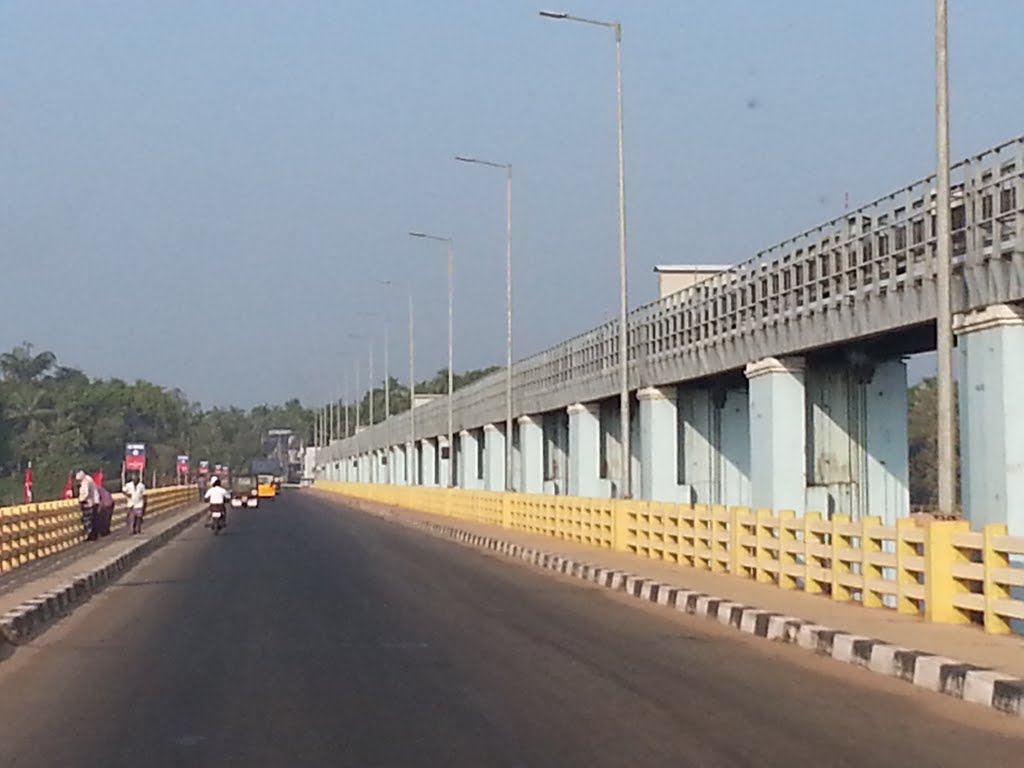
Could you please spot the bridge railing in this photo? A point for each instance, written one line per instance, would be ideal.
(937, 569)
(867, 272)
(30, 532)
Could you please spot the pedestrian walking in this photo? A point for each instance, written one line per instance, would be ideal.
(201, 485)
(135, 491)
(89, 501)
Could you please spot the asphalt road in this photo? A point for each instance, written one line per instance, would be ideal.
(310, 635)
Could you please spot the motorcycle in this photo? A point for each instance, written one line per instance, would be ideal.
(217, 518)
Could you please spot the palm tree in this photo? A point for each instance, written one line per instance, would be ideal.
(21, 366)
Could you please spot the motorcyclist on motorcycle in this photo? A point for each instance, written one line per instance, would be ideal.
(217, 497)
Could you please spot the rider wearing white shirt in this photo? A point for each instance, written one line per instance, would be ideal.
(218, 497)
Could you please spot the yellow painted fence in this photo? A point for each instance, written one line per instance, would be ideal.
(33, 531)
(939, 569)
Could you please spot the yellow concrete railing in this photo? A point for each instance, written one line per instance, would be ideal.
(938, 569)
(33, 531)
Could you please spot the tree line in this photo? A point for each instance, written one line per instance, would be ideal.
(60, 419)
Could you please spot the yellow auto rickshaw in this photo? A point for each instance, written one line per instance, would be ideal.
(265, 487)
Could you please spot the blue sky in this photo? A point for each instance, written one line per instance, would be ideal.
(188, 183)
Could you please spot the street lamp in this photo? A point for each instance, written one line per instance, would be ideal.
(451, 292)
(369, 374)
(616, 27)
(410, 474)
(508, 308)
(943, 308)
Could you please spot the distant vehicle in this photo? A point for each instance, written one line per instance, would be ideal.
(266, 488)
(244, 492)
(268, 477)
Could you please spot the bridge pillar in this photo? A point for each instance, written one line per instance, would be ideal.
(584, 449)
(396, 465)
(428, 470)
(888, 460)
(715, 445)
(990, 349)
(531, 455)
(611, 448)
(857, 459)
(556, 452)
(494, 458)
(467, 460)
(517, 459)
(411, 476)
(444, 462)
(778, 434)
(659, 444)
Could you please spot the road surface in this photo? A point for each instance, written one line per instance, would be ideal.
(312, 635)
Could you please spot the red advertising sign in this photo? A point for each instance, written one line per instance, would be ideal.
(135, 457)
(204, 467)
(183, 465)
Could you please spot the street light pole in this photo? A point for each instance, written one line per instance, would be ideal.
(410, 473)
(624, 425)
(387, 399)
(508, 309)
(943, 268)
(359, 397)
(451, 326)
(371, 384)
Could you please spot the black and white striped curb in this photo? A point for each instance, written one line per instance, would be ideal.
(19, 625)
(954, 678)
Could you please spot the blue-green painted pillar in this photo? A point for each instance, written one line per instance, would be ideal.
(778, 434)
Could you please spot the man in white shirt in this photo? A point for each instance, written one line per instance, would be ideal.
(89, 500)
(217, 496)
(135, 491)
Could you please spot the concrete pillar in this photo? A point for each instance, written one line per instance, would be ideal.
(531, 450)
(467, 462)
(778, 426)
(659, 451)
(412, 474)
(584, 449)
(399, 459)
(444, 478)
(428, 475)
(494, 458)
(990, 351)
(715, 435)
(556, 452)
(887, 460)
(517, 460)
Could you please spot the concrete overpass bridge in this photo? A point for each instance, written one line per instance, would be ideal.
(779, 383)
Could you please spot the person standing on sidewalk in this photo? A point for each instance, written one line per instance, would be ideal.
(89, 501)
(136, 493)
(105, 512)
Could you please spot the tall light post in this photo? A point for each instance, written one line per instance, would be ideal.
(627, 462)
(451, 293)
(508, 308)
(369, 421)
(410, 475)
(359, 398)
(943, 304)
(344, 396)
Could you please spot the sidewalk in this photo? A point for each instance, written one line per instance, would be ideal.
(967, 648)
(27, 605)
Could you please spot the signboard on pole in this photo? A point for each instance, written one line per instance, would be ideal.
(183, 465)
(135, 457)
(204, 467)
